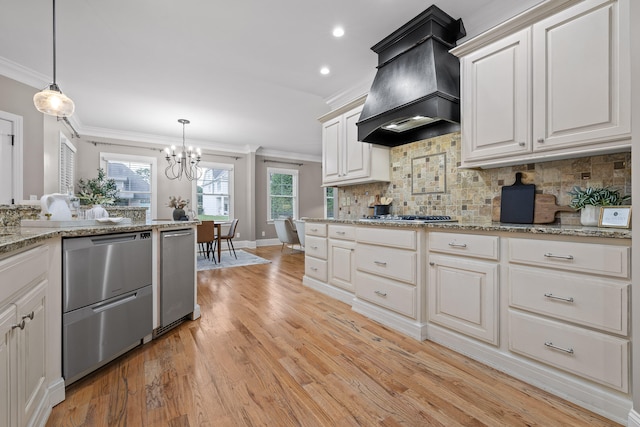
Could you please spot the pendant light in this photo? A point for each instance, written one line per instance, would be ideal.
(52, 101)
(185, 162)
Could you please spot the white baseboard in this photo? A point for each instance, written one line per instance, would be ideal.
(400, 323)
(336, 293)
(634, 419)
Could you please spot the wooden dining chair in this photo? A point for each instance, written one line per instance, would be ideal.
(228, 237)
(206, 238)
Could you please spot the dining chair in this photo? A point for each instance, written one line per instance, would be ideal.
(286, 233)
(228, 237)
(205, 238)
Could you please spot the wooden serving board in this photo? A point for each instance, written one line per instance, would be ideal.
(545, 209)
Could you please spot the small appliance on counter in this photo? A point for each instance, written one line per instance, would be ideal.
(418, 219)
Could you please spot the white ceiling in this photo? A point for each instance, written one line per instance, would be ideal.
(245, 72)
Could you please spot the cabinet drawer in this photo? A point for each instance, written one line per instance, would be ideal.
(315, 229)
(471, 245)
(593, 355)
(22, 269)
(316, 247)
(589, 301)
(394, 237)
(582, 257)
(344, 232)
(316, 268)
(395, 296)
(388, 262)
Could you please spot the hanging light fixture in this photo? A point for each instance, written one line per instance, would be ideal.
(184, 162)
(51, 100)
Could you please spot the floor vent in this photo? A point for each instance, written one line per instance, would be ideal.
(171, 325)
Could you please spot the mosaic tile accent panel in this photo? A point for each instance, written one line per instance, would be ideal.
(469, 192)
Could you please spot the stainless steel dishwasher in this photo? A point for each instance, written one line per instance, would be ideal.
(177, 277)
(107, 299)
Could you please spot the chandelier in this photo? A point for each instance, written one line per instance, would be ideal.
(185, 162)
(52, 101)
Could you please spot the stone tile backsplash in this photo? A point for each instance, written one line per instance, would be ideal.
(468, 193)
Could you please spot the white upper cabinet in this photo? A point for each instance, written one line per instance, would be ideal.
(345, 160)
(555, 86)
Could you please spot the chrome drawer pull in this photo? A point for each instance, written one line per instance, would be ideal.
(341, 232)
(19, 325)
(314, 268)
(555, 347)
(380, 263)
(314, 229)
(28, 316)
(552, 296)
(382, 294)
(314, 247)
(457, 245)
(550, 255)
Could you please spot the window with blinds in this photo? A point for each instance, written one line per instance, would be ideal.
(67, 164)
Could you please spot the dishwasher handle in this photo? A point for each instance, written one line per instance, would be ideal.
(98, 308)
(113, 239)
(185, 233)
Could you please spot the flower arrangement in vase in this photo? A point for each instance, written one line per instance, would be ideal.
(97, 192)
(178, 204)
(589, 201)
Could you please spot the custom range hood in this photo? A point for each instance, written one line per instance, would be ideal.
(416, 91)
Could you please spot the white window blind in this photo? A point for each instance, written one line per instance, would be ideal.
(67, 164)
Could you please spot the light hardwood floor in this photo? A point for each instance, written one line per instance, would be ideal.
(268, 351)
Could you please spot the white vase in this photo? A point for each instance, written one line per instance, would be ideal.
(590, 215)
(97, 212)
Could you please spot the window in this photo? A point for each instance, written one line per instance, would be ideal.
(135, 177)
(329, 197)
(282, 196)
(213, 192)
(67, 164)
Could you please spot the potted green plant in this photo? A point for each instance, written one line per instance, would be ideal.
(589, 201)
(98, 192)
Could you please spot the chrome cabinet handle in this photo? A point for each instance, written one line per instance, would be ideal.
(19, 325)
(552, 296)
(314, 268)
(555, 347)
(28, 316)
(314, 247)
(341, 233)
(521, 144)
(314, 229)
(550, 255)
(432, 263)
(457, 245)
(380, 263)
(382, 294)
(540, 140)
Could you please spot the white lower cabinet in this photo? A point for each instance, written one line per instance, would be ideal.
(463, 296)
(341, 254)
(23, 325)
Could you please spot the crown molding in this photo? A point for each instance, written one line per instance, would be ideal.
(22, 74)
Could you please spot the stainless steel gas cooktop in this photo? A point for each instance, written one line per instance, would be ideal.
(420, 219)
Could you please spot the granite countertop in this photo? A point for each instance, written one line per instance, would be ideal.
(14, 238)
(552, 229)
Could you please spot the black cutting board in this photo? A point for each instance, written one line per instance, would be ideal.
(518, 202)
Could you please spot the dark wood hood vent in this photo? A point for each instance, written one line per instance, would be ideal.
(416, 91)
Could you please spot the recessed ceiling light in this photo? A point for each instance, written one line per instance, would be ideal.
(338, 32)
(325, 70)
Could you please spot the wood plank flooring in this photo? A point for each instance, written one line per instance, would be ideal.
(268, 351)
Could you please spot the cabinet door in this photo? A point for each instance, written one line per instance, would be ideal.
(495, 99)
(580, 76)
(463, 296)
(342, 264)
(357, 162)
(331, 150)
(31, 351)
(8, 415)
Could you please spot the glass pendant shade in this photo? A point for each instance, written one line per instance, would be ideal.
(53, 102)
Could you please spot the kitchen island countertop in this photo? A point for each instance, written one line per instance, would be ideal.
(549, 229)
(15, 238)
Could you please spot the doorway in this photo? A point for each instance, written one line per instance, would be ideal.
(10, 158)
